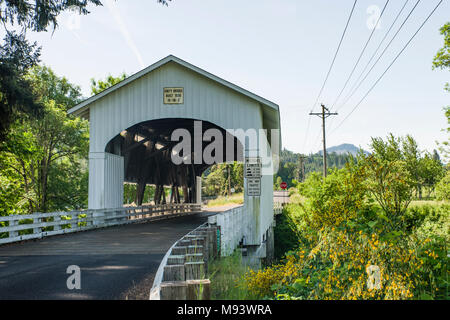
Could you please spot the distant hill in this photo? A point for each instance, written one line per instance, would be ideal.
(290, 166)
(345, 148)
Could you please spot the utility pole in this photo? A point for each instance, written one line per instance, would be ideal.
(324, 114)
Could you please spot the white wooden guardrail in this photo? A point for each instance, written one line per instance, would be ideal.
(183, 270)
(277, 208)
(233, 225)
(38, 225)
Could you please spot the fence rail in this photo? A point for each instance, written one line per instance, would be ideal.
(38, 225)
(277, 208)
(281, 197)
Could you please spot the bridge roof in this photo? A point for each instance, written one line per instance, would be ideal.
(82, 107)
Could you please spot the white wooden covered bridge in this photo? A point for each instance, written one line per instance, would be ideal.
(131, 125)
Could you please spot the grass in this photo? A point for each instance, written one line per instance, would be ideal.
(295, 197)
(427, 202)
(237, 198)
(226, 274)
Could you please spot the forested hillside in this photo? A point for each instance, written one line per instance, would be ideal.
(290, 167)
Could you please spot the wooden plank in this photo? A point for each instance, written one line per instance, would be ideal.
(174, 272)
(195, 249)
(194, 257)
(179, 250)
(175, 259)
(174, 290)
(194, 270)
(198, 289)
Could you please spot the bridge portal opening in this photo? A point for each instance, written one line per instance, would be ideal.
(149, 148)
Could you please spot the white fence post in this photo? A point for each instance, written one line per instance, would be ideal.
(57, 219)
(74, 221)
(37, 230)
(13, 223)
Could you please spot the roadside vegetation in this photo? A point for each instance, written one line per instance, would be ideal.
(225, 275)
(236, 198)
(377, 227)
(359, 219)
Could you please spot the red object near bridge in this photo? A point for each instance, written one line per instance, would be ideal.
(283, 185)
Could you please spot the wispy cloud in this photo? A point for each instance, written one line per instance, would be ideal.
(124, 30)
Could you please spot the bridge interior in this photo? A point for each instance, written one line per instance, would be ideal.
(147, 149)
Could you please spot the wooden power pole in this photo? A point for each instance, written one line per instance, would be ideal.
(324, 114)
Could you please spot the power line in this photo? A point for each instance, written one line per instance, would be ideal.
(370, 60)
(379, 46)
(335, 55)
(360, 55)
(307, 131)
(331, 67)
(381, 55)
(390, 65)
(316, 140)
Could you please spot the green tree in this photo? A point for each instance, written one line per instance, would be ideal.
(431, 171)
(290, 168)
(444, 147)
(413, 161)
(98, 86)
(215, 179)
(336, 199)
(443, 188)
(17, 55)
(423, 169)
(390, 183)
(442, 58)
(48, 86)
(442, 61)
(394, 172)
(47, 156)
(277, 184)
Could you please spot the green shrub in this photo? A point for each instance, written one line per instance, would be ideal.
(358, 218)
(430, 220)
(286, 236)
(443, 188)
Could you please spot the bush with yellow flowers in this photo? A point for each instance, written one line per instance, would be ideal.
(337, 268)
(351, 248)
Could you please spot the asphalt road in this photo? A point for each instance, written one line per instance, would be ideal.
(116, 263)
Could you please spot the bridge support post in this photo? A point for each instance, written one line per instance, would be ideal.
(106, 176)
(198, 191)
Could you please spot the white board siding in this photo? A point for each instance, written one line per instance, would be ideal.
(142, 100)
(106, 175)
(114, 176)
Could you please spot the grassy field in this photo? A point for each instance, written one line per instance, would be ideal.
(237, 198)
(427, 202)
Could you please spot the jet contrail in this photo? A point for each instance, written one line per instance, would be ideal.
(123, 29)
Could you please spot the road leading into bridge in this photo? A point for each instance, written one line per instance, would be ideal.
(116, 263)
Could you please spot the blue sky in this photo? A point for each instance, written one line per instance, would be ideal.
(280, 50)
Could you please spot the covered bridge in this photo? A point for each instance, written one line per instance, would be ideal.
(132, 127)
